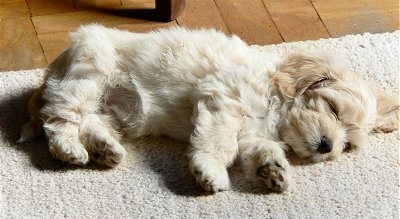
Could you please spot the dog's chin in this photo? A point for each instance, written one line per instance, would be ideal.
(315, 156)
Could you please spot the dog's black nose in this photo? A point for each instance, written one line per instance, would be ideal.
(325, 146)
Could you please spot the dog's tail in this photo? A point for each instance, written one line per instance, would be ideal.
(33, 128)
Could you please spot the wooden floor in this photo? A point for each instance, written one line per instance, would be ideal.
(34, 32)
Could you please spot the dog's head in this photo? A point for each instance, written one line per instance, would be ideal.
(330, 110)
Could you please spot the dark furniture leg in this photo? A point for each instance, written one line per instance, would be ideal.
(168, 10)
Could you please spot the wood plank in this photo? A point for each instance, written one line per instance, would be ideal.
(13, 9)
(44, 7)
(146, 27)
(133, 2)
(53, 44)
(358, 16)
(249, 20)
(296, 19)
(100, 4)
(202, 13)
(19, 48)
(70, 21)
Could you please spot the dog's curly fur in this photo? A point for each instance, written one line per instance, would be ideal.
(227, 98)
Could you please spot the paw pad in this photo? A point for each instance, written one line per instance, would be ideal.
(274, 176)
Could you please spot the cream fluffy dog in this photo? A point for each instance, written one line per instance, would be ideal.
(228, 99)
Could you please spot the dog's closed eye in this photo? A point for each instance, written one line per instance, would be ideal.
(332, 108)
(319, 83)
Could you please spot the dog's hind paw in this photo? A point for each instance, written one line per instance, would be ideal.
(108, 153)
(212, 183)
(69, 151)
(212, 179)
(275, 176)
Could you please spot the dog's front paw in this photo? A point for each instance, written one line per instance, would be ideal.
(69, 151)
(275, 175)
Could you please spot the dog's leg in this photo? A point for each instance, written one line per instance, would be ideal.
(70, 116)
(67, 101)
(388, 112)
(214, 148)
(101, 140)
(263, 159)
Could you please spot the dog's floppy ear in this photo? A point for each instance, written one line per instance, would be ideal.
(300, 72)
(388, 110)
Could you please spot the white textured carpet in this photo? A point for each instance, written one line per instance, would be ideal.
(153, 182)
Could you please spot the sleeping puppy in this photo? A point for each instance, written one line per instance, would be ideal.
(229, 100)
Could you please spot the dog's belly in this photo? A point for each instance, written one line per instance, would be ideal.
(139, 112)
